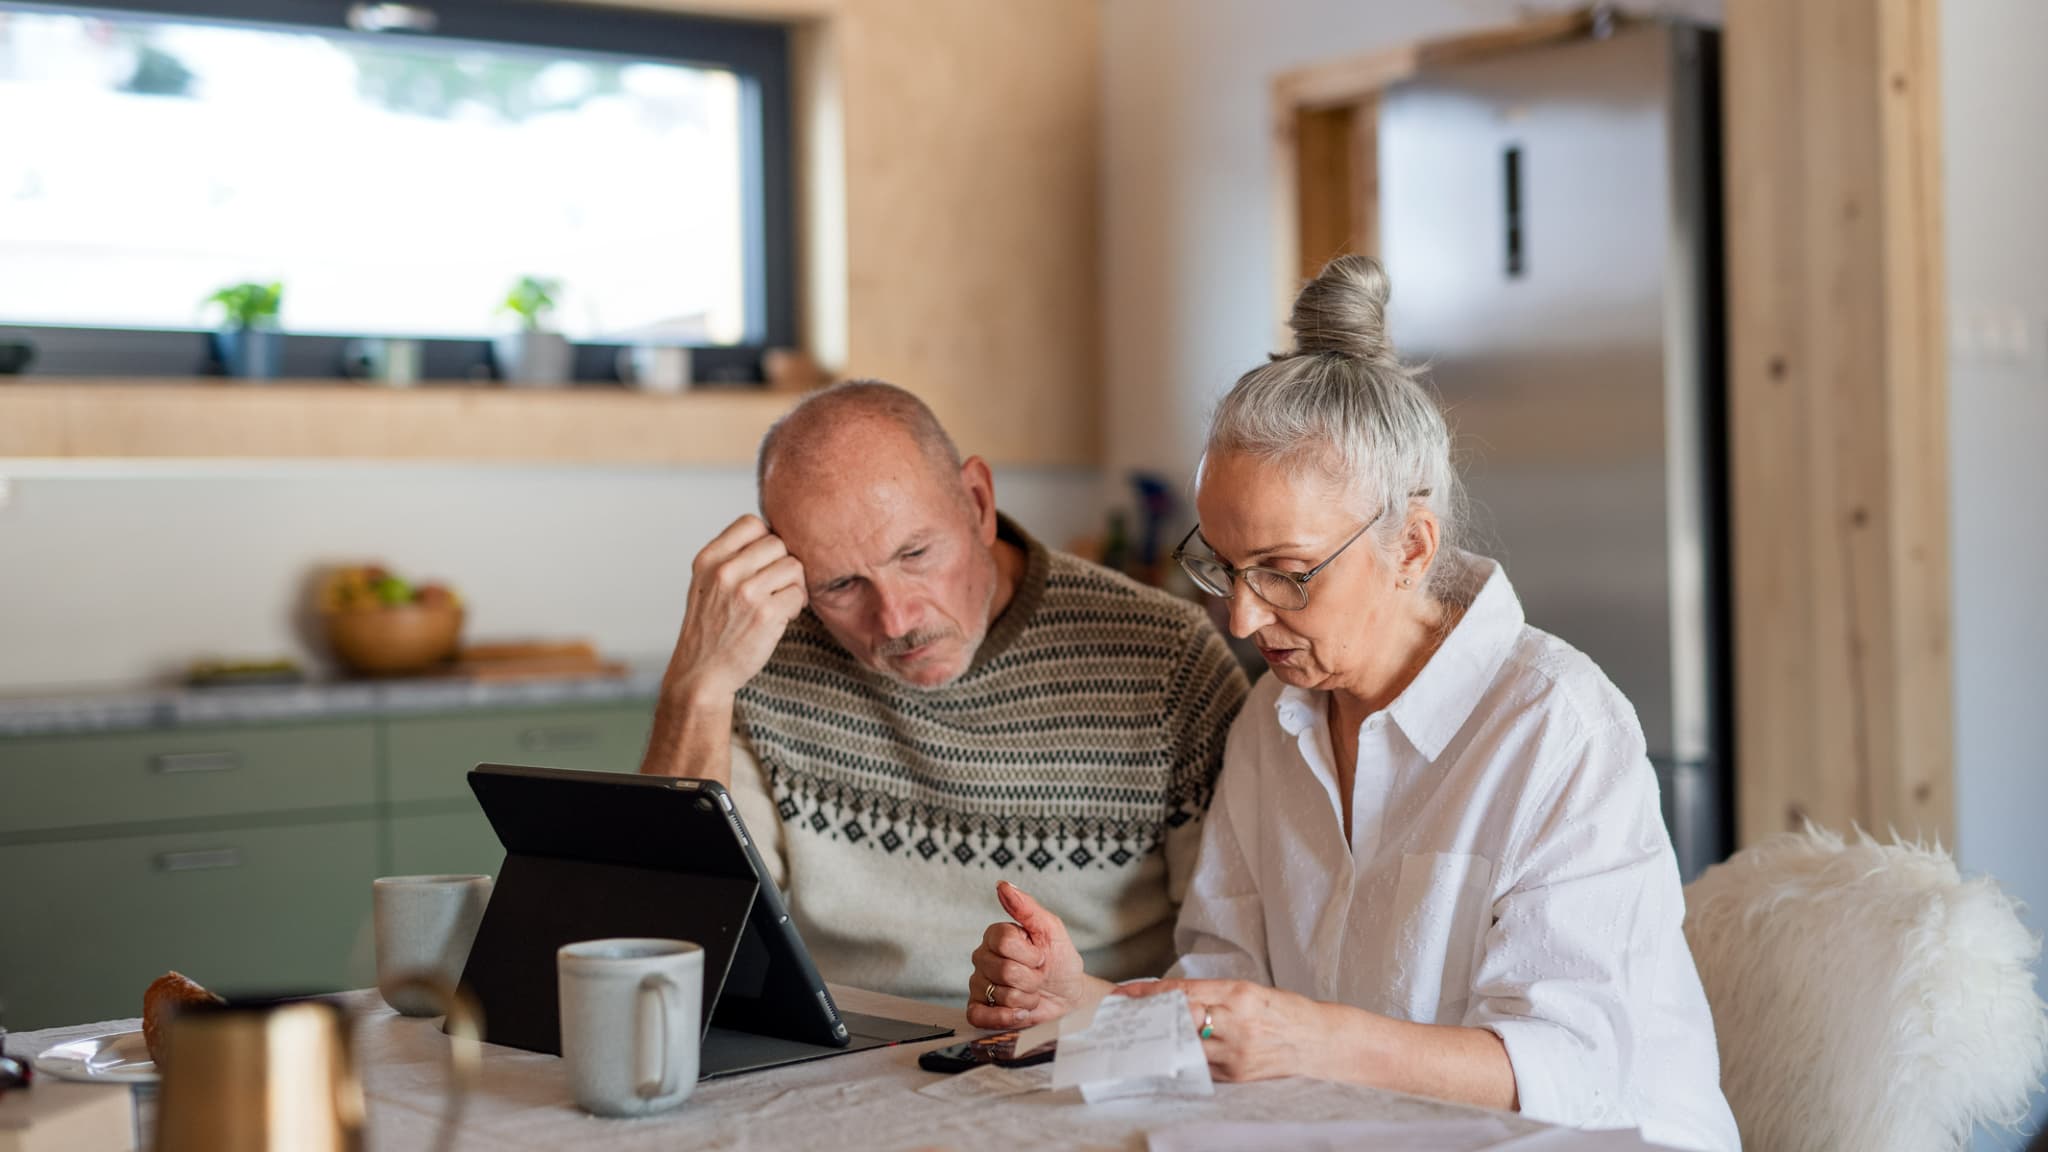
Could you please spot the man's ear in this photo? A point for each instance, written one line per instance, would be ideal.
(980, 486)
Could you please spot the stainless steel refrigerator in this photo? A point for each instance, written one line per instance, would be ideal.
(1551, 222)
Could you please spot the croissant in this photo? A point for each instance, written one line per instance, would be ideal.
(165, 996)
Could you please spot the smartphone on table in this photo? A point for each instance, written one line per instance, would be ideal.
(994, 1048)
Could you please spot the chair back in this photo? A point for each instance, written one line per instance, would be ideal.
(1865, 996)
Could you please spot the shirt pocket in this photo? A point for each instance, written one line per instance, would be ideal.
(1442, 911)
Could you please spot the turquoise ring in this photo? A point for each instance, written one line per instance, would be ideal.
(1208, 1025)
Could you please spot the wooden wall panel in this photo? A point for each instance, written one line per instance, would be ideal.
(329, 420)
(1916, 291)
(968, 133)
(1837, 401)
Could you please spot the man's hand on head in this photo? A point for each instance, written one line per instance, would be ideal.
(745, 588)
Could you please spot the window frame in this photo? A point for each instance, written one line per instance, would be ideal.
(757, 52)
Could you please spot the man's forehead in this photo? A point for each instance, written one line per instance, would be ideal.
(837, 538)
(832, 503)
(843, 540)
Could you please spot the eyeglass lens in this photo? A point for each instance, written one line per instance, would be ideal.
(1272, 587)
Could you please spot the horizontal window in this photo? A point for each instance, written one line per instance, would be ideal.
(397, 169)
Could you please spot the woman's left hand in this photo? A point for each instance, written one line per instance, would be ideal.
(1255, 1032)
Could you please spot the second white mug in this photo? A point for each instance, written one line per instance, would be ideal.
(655, 367)
(632, 1011)
(425, 925)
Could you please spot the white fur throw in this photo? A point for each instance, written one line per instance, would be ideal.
(1865, 996)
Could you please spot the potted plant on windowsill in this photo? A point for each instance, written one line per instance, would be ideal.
(534, 355)
(248, 344)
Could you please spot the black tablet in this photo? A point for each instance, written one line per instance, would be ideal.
(600, 854)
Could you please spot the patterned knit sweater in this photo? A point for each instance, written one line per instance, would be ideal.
(1075, 758)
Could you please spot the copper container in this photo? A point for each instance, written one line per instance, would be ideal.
(278, 1075)
(251, 1077)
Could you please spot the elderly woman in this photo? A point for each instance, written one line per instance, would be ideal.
(1435, 862)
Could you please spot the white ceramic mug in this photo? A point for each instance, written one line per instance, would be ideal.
(393, 362)
(401, 368)
(631, 1010)
(425, 925)
(655, 367)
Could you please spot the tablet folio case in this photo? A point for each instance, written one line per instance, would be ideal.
(634, 869)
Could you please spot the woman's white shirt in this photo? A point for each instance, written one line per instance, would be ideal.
(1507, 869)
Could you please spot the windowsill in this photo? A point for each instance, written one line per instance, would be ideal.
(219, 419)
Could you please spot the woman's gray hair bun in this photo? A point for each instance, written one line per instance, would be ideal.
(1344, 311)
(1344, 406)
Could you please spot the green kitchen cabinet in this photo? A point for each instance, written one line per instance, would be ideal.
(429, 757)
(85, 781)
(89, 923)
(242, 854)
(443, 843)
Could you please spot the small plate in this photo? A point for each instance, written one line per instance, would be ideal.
(110, 1058)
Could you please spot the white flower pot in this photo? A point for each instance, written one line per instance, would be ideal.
(534, 359)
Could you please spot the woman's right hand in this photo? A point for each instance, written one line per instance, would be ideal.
(1028, 971)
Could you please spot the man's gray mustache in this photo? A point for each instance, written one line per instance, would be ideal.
(902, 644)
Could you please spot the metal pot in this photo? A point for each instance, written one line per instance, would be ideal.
(249, 353)
(534, 358)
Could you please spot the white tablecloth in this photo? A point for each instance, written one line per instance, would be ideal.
(858, 1101)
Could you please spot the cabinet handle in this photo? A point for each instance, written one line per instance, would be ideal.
(204, 860)
(177, 763)
(1511, 170)
(555, 739)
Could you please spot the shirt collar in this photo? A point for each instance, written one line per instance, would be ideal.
(1298, 708)
(1433, 707)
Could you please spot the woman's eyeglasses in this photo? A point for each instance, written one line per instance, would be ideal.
(1286, 591)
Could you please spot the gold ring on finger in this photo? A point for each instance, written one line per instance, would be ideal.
(989, 994)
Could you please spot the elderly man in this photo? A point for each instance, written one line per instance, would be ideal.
(910, 699)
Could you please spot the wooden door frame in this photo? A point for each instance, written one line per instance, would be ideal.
(1837, 381)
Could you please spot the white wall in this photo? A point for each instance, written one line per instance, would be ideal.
(115, 573)
(1998, 440)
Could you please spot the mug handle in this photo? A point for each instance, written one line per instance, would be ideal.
(668, 1076)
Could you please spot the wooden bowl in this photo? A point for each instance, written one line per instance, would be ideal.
(396, 638)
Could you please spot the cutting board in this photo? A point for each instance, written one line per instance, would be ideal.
(532, 660)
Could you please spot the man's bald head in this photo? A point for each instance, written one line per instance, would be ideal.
(896, 534)
(864, 417)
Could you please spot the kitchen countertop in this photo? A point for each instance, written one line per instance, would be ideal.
(63, 713)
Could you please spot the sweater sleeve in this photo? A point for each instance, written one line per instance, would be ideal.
(1208, 689)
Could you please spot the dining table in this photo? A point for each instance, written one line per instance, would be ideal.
(874, 1099)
